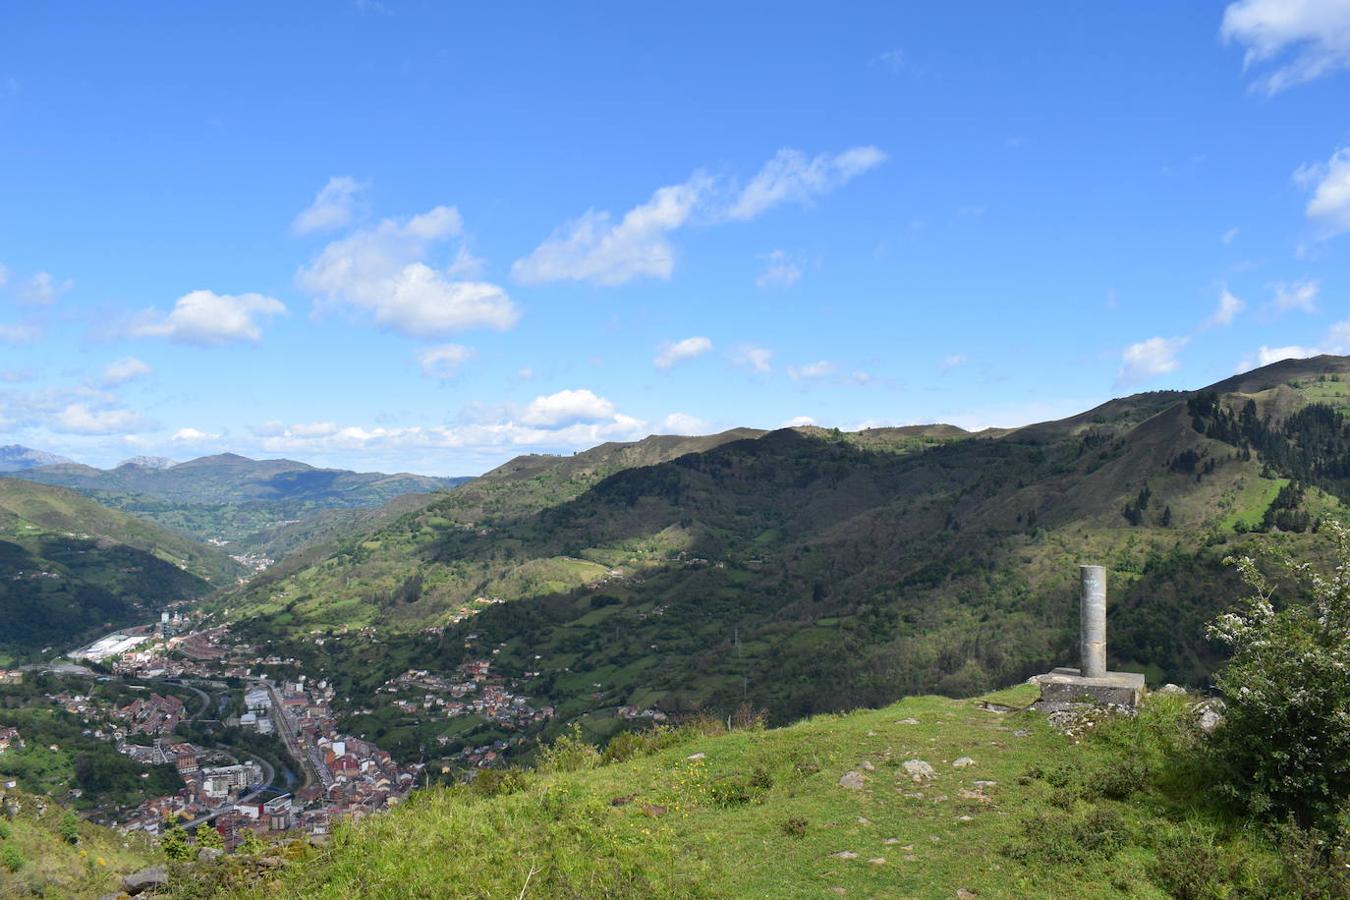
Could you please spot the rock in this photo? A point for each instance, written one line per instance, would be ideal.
(270, 862)
(209, 854)
(863, 820)
(910, 721)
(867, 766)
(838, 891)
(889, 841)
(851, 780)
(963, 762)
(878, 860)
(697, 756)
(144, 880)
(845, 854)
(963, 894)
(1208, 715)
(918, 770)
(654, 810)
(1170, 689)
(965, 818)
(984, 784)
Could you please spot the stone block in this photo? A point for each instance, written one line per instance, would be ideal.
(1068, 686)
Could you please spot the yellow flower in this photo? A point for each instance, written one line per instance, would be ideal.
(101, 861)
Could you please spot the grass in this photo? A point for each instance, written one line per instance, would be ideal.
(761, 813)
(51, 865)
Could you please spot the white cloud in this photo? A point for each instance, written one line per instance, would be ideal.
(19, 333)
(679, 351)
(43, 288)
(1300, 39)
(756, 359)
(1146, 359)
(192, 436)
(593, 248)
(315, 429)
(798, 422)
(683, 423)
(1300, 295)
(567, 407)
(123, 370)
(894, 60)
(1336, 342)
(333, 206)
(384, 271)
(1330, 185)
(206, 318)
(596, 248)
(779, 271)
(565, 420)
(1229, 308)
(790, 177)
(1229, 236)
(953, 361)
(443, 362)
(812, 370)
(79, 418)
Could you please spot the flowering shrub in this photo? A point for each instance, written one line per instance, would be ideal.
(1284, 747)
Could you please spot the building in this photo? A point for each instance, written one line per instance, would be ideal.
(9, 737)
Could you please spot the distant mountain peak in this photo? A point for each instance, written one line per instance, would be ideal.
(17, 458)
(149, 462)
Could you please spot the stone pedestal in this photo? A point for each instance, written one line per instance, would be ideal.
(1064, 686)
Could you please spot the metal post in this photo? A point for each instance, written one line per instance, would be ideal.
(1092, 633)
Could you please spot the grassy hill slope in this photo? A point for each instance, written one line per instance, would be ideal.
(47, 852)
(1012, 809)
(69, 566)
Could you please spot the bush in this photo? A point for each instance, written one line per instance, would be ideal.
(569, 753)
(1284, 747)
(1189, 865)
(11, 857)
(70, 828)
(1070, 839)
(794, 827)
(498, 782)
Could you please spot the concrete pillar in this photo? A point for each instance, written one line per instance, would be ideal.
(1092, 634)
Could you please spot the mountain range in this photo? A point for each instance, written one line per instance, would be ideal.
(263, 508)
(804, 570)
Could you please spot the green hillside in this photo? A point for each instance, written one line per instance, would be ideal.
(822, 808)
(265, 507)
(69, 567)
(804, 571)
(46, 851)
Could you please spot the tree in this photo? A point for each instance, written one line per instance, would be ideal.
(207, 836)
(1284, 747)
(251, 844)
(70, 828)
(174, 841)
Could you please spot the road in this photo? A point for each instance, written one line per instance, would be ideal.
(269, 774)
(311, 766)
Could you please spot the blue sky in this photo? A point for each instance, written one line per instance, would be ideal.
(417, 236)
